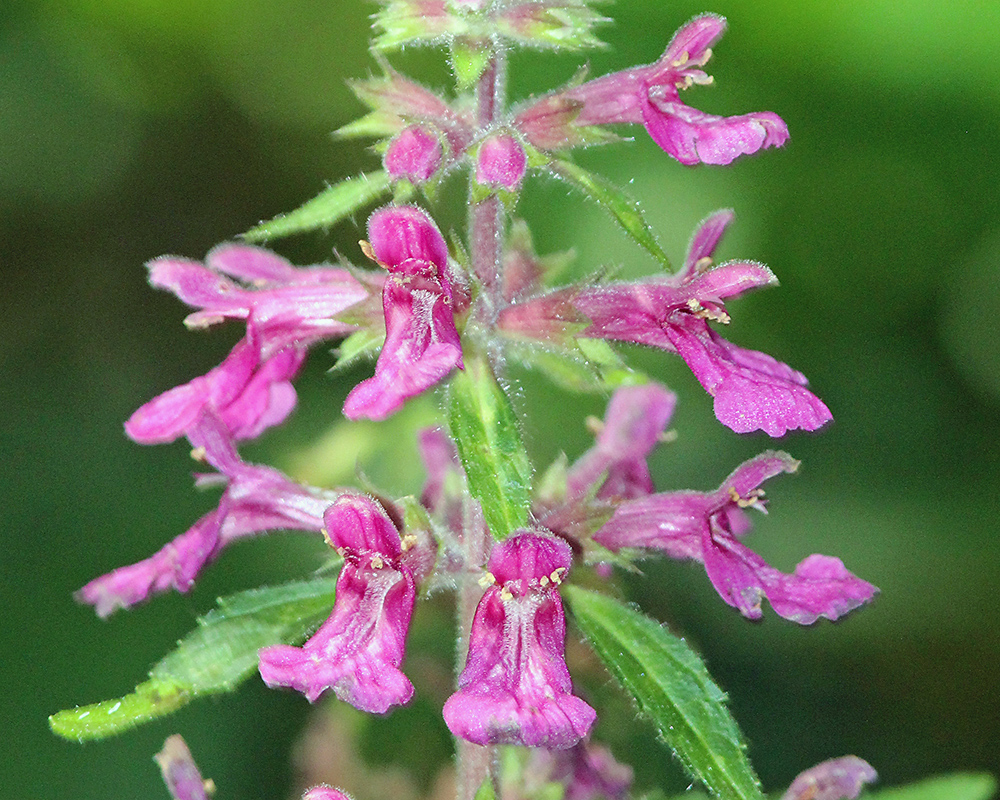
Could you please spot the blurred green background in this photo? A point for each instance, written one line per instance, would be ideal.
(133, 128)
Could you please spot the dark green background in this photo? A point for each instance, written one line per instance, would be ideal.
(131, 129)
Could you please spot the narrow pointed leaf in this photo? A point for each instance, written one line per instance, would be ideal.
(150, 700)
(327, 208)
(216, 656)
(622, 207)
(671, 686)
(485, 429)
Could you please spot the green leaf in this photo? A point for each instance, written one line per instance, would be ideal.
(959, 786)
(672, 687)
(485, 429)
(361, 344)
(327, 208)
(545, 25)
(215, 657)
(468, 61)
(485, 792)
(622, 207)
(152, 699)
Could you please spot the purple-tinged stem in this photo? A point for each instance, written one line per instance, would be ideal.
(486, 216)
(476, 764)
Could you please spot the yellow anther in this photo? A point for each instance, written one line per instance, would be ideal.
(377, 562)
(505, 594)
(556, 575)
(681, 60)
(753, 498)
(198, 454)
(703, 264)
(594, 425)
(369, 252)
(487, 579)
(407, 541)
(543, 581)
(716, 315)
(667, 437)
(341, 551)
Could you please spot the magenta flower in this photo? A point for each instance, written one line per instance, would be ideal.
(246, 394)
(287, 304)
(616, 464)
(256, 499)
(515, 688)
(837, 779)
(286, 310)
(421, 343)
(501, 162)
(751, 390)
(709, 527)
(357, 652)
(415, 154)
(650, 96)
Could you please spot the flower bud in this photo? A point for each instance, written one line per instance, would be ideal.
(414, 154)
(501, 162)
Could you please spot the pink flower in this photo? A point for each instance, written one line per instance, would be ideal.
(286, 309)
(837, 779)
(515, 688)
(708, 527)
(415, 153)
(357, 652)
(616, 464)
(751, 390)
(501, 162)
(421, 343)
(650, 96)
(287, 304)
(246, 394)
(255, 499)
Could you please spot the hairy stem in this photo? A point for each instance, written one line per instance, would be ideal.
(486, 216)
(476, 764)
